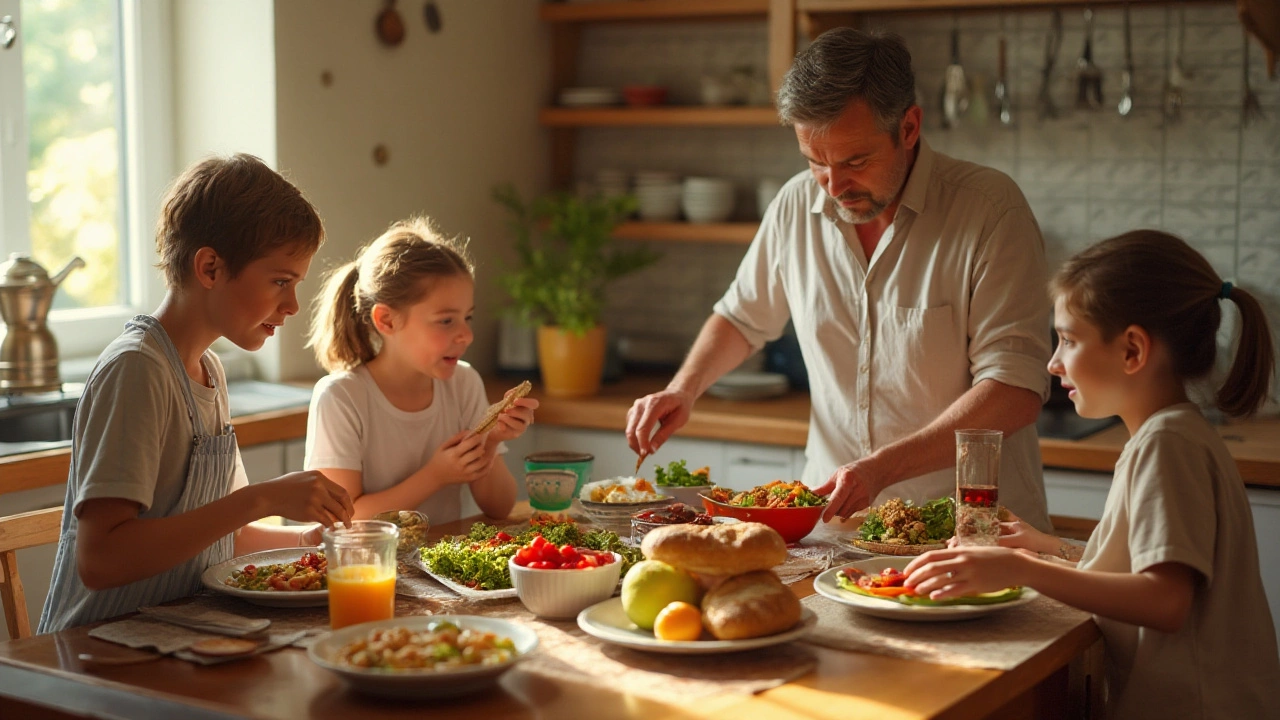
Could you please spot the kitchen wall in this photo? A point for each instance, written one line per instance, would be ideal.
(1088, 175)
(457, 112)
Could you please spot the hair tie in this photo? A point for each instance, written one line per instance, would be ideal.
(1226, 291)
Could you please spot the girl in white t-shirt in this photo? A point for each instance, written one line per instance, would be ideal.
(392, 421)
(1171, 571)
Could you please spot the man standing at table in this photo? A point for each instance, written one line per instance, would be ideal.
(916, 284)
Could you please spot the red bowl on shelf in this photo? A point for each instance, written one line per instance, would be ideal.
(791, 523)
(644, 95)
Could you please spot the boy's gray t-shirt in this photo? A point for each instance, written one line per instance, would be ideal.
(131, 436)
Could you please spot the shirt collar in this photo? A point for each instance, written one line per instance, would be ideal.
(914, 190)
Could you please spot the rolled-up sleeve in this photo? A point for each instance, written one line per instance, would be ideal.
(1009, 306)
(756, 301)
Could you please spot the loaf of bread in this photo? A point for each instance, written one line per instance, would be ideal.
(750, 605)
(716, 549)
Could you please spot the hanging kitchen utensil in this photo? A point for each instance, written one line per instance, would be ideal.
(955, 90)
(1053, 42)
(1177, 75)
(1251, 109)
(431, 14)
(1126, 78)
(389, 26)
(1002, 79)
(1089, 80)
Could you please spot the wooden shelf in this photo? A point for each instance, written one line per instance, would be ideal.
(619, 10)
(873, 6)
(733, 233)
(687, 116)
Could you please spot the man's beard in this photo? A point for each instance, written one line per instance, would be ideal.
(897, 180)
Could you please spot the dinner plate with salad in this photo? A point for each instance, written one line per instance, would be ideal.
(475, 565)
(874, 587)
(288, 577)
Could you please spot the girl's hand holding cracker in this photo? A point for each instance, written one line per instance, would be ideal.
(307, 496)
(512, 423)
(462, 458)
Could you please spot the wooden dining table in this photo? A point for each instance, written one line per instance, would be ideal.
(42, 676)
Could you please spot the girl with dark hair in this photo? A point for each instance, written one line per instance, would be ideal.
(1171, 571)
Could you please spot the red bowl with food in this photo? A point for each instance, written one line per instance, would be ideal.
(792, 523)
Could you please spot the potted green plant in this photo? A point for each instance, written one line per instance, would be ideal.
(567, 256)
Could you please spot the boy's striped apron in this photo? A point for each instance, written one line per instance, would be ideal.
(210, 474)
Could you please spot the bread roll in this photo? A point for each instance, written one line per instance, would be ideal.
(716, 549)
(748, 606)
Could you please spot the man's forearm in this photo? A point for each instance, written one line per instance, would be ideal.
(720, 347)
(989, 405)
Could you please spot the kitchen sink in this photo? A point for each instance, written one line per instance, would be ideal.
(36, 426)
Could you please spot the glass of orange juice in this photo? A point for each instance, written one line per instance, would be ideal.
(362, 572)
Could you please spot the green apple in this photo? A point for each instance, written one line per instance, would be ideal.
(651, 585)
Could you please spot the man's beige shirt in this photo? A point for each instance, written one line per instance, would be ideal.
(955, 293)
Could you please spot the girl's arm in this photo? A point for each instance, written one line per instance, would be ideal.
(115, 547)
(1159, 597)
(495, 493)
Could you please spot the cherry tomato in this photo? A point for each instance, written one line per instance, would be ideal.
(504, 537)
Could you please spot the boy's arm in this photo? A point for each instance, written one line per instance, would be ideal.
(115, 547)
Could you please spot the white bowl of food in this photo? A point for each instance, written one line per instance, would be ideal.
(362, 654)
(564, 592)
(610, 503)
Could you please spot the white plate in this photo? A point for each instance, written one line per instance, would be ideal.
(826, 586)
(421, 683)
(461, 589)
(214, 575)
(607, 621)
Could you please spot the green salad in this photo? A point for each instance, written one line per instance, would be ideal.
(479, 558)
(677, 474)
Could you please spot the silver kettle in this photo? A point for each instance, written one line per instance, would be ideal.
(28, 352)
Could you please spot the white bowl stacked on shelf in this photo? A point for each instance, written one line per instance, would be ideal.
(658, 195)
(707, 200)
(589, 96)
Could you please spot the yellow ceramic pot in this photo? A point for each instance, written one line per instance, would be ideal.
(572, 364)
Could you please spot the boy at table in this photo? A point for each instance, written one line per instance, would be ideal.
(157, 491)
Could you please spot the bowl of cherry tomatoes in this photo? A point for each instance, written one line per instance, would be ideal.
(559, 581)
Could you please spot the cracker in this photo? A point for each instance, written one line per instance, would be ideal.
(491, 415)
(224, 646)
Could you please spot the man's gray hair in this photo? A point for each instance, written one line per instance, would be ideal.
(842, 65)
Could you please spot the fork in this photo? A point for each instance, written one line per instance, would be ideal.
(1251, 109)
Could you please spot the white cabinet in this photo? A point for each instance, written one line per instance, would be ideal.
(295, 455)
(1266, 526)
(263, 462)
(746, 466)
(1075, 493)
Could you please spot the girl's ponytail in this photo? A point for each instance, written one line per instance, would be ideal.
(339, 334)
(1251, 372)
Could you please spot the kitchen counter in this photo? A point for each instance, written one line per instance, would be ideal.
(784, 421)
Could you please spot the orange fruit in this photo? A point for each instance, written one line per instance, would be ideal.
(678, 621)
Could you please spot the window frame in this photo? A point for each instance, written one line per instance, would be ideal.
(146, 90)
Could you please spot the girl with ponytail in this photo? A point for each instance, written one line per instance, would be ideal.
(1171, 571)
(391, 422)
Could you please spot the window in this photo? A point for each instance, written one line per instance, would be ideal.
(75, 88)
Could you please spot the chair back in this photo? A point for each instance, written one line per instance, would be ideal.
(19, 532)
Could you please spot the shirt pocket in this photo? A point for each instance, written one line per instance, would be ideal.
(922, 351)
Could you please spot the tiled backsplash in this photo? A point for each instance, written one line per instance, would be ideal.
(1088, 175)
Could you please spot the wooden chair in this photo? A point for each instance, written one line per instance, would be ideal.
(18, 532)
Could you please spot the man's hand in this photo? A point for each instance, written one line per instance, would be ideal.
(851, 488)
(668, 411)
